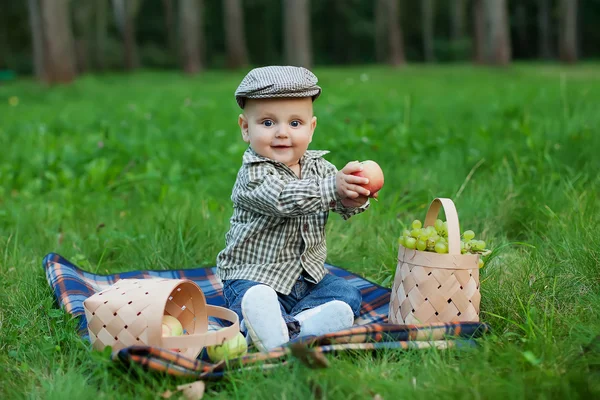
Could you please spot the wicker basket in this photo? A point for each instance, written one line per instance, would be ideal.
(431, 287)
(130, 313)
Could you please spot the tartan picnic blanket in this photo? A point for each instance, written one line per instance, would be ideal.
(71, 286)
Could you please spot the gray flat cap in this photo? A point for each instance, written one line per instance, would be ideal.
(277, 81)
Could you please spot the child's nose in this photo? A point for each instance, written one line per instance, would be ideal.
(282, 131)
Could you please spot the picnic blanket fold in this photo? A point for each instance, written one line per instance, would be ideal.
(71, 286)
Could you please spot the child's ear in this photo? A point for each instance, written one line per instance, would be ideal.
(313, 125)
(243, 123)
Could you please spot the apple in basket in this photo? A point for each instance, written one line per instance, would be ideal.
(230, 349)
(171, 326)
(372, 171)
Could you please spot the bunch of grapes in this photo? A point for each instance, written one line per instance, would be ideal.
(435, 238)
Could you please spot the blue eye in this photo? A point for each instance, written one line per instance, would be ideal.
(268, 122)
(295, 124)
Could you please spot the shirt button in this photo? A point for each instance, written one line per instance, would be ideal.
(332, 203)
(305, 227)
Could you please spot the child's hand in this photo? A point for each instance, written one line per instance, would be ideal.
(348, 185)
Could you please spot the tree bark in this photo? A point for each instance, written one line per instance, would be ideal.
(58, 53)
(544, 33)
(568, 31)
(170, 27)
(395, 39)
(37, 38)
(100, 25)
(427, 29)
(125, 13)
(191, 39)
(237, 53)
(297, 38)
(478, 32)
(497, 36)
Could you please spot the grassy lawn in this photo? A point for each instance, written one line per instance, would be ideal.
(134, 172)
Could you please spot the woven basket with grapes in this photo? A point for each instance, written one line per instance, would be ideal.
(437, 276)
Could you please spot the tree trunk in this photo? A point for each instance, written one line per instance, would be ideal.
(37, 38)
(237, 53)
(296, 23)
(170, 27)
(427, 29)
(83, 33)
(479, 27)
(100, 25)
(568, 31)
(58, 53)
(125, 13)
(381, 35)
(395, 39)
(190, 22)
(497, 36)
(545, 38)
(457, 13)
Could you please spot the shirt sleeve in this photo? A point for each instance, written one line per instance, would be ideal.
(339, 208)
(260, 189)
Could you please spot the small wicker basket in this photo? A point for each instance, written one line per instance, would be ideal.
(130, 313)
(431, 287)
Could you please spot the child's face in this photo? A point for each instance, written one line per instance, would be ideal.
(279, 129)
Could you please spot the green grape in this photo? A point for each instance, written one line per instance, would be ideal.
(478, 245)
(406, 232)
(421, 245)
(438, 225)
(442, 240)
(441, 248)
(463, 250)
(469, 246)
(480, 263)
(444, 230)
(431, 231)
(401, 241)
(431, 242)
(415, 232)
(416, 224)
(410, 242)
(468, 235)
(423, 237)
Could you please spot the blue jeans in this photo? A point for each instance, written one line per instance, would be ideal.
(304, 295)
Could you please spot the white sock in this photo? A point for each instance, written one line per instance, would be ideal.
(330, 317)
(263, 319)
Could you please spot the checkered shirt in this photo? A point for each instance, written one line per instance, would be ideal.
(278, 222)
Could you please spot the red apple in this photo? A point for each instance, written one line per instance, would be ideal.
(372, 171)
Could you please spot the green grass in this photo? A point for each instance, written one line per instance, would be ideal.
(134, 172)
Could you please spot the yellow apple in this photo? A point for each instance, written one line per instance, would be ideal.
(232, 348)
(171, 326)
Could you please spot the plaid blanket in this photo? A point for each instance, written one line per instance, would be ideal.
(71, 286)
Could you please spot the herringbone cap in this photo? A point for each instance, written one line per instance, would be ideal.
(277, 81)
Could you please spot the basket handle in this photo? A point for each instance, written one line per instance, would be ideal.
(210, 338)
(451, 218)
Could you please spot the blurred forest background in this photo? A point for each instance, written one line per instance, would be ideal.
(56, 40)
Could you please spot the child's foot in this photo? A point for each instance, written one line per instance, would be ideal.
(263, 319)
(330, 317)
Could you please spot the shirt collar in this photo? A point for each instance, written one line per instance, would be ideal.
(250, 156)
